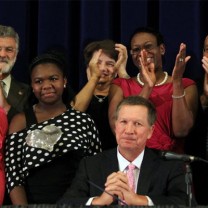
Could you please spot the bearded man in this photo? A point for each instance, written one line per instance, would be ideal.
(13, 94)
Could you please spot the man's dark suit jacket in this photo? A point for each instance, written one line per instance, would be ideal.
(18, 97)
(163, 181)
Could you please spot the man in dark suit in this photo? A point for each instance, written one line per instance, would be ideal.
(157, 181)
(13, 94)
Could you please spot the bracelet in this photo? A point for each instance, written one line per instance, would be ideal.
(180, 96)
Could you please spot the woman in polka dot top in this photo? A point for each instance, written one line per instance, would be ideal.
(46, 142)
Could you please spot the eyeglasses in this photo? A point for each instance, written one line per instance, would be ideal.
(147, 47)
(8, 49)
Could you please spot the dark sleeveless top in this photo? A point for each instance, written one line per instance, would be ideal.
(99, 113)
(30, 117)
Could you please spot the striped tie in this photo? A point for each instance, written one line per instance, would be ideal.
(3, 88)
(131, 179)
(130, 175)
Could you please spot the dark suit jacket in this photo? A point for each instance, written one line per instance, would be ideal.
(163, 181)
(18, 97)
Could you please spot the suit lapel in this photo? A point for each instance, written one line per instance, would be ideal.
(110, 163)
(149, 164)
(15, 93)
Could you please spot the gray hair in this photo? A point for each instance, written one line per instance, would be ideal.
(139, 101)
(8, 31)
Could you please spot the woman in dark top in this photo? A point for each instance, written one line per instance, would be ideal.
(104, 59)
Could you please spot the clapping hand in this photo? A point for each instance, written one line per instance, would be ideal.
(180, 63)
(205, 66)
(205, 63)
(93, 69)
(147, 69)
(121, 63)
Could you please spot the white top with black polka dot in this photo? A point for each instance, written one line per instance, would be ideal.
(79, 132)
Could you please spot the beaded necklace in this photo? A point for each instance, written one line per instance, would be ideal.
(161, 83)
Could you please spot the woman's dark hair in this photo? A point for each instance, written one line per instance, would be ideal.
(108, 47)
(48, 58)
(157, 34)
(58, 60)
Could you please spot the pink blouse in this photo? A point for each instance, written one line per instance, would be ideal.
(3, 131)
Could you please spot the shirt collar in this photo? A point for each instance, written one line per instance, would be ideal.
(123, 163)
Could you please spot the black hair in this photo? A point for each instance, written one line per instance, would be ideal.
(49, 58)
(108, 47)
(55, 58)
(157, 34)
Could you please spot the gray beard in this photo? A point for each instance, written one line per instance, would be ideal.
(6, 69)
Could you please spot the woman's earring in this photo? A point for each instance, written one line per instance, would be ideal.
(64, 85)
